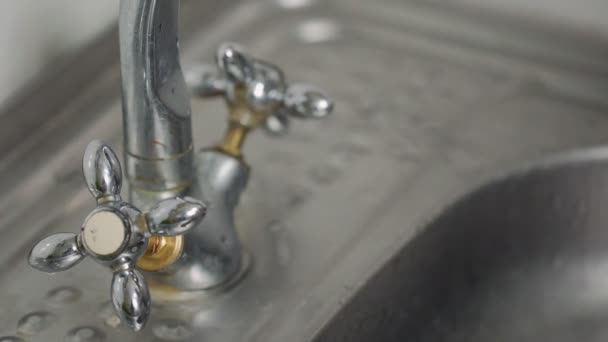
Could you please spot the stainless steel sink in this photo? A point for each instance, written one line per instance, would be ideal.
(524, 258)
(431, 100)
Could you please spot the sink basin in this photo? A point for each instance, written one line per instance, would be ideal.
(524, 258)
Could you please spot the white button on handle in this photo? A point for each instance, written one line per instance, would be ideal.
(104, 233)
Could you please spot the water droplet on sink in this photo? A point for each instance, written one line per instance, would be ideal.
(293, 4)
(63, 295)
(85, 334)
(318, 30)
(296, 196)
(172, 330)
(276, 226)
(11, 339)
(107, 315)
(283, 249)
(34, 322)
(324, 174)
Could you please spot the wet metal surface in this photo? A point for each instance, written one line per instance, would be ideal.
(429, 102)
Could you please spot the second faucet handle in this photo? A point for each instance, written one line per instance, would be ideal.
(115, 234)
(260, 87)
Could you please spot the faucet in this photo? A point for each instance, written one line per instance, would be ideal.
(177, 229)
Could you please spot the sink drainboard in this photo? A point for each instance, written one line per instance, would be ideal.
(420, 108)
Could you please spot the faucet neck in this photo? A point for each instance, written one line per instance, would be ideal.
(156, 104)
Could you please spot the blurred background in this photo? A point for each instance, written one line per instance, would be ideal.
(37, 34)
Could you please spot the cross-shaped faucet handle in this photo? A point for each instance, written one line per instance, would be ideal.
(115, 234)
(260, 87)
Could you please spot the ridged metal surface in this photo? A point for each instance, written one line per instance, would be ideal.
(429, 102)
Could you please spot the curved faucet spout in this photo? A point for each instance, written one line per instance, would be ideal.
(156, 105)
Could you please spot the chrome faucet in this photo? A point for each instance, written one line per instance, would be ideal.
(168, 238)
(155, 98)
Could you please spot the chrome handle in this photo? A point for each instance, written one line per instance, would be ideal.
(115, 234)
(241, 78)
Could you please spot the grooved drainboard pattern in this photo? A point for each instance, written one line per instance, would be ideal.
(403, 108)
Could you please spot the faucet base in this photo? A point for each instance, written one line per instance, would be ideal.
(163, 292)
(211, 256)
